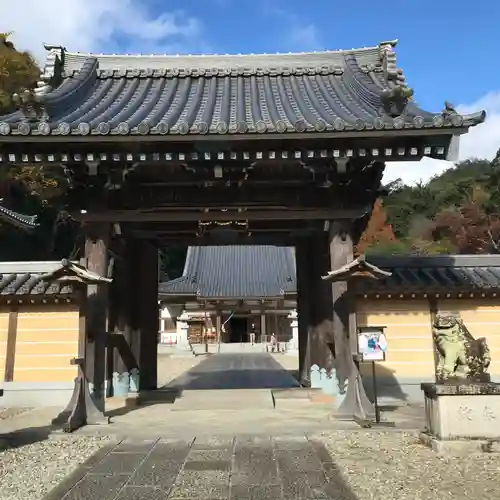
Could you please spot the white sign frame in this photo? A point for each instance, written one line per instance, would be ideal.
(366, 336)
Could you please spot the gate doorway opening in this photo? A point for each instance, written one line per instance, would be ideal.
(238, 329)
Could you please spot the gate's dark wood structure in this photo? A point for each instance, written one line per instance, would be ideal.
(193, 150)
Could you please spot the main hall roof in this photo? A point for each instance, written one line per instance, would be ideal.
(235, 272)
(338, 91)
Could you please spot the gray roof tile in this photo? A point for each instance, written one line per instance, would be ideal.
(441, 273)
(235, 271)
(25, 278)
(219, 94)
(240, 271)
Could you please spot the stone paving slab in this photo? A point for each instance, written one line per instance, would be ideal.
(238, 468)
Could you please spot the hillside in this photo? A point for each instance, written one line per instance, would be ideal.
(455, 212)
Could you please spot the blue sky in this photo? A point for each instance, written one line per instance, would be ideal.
(447, 49)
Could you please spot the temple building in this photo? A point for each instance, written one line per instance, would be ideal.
(251, 281)
(286, 150)
(231, 294)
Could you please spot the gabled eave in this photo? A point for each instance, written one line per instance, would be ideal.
(359, 268)
(72, 272)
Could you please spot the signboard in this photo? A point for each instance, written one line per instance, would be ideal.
(372, 343)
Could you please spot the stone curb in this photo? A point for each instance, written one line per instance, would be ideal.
(71, 480)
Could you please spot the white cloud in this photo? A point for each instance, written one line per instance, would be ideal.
(303, 37)
(296, 33)
(482, 141)
(97, 25)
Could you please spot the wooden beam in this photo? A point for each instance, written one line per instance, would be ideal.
(251, 215)
(270, 197)
(10, 352)
(278, 240)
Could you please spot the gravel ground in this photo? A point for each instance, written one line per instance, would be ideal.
(6, 413)
(29, 471)
(394, 465)
(169, 368)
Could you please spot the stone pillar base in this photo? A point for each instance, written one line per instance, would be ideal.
(461, 417)
(459, 447)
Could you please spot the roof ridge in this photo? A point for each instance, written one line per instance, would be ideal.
(227, 54)
(443, 260)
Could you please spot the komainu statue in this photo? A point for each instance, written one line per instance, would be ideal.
(461, 356)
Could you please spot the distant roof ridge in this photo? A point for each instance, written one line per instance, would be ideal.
(441, 260)
(63, 49)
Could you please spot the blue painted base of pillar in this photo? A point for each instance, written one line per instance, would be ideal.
(328, 382)
(120, 384)
(134, 380)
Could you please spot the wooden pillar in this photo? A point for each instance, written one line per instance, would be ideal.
(262, 325)
(10, 351)
(218, 328)
(87, 402)
(355, 402)
(321, 331)
(123, 362)
(145, 341)
(302, 256)
(96, 257)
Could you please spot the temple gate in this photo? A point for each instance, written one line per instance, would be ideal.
(285, 149)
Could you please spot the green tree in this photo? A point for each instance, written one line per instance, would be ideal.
(18, 71)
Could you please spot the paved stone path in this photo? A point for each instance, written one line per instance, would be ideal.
(240, 468)
(236, 371)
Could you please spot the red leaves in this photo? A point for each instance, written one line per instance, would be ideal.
(378, 231)
(468, 228)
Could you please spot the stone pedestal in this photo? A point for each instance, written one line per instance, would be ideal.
(293, 345)
(462, 417)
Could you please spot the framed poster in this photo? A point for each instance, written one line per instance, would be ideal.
(372, 343)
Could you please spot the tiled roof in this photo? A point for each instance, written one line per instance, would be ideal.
(16, 219)
(440, 273)
(235, 271)
(240, 271)
(24, 278)
(348, 90)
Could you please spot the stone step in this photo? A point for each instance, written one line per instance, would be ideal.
(167, 396)
(236, 347)
(299, 397)
(224, 399)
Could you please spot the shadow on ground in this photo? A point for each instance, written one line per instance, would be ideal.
(235, 371)
(27, 436)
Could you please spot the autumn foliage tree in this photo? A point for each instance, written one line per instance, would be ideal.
(469, 229)
(29, 188)
(18, 71)
(378, 232)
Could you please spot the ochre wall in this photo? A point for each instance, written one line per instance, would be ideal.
(47, 338)
(409, 341)
(409, 332)
(4, 322)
